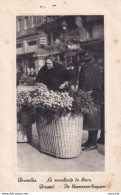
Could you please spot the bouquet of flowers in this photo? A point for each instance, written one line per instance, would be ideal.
(25, 111)
(56, 102)
(82, 102)
(59, 103)
(22, 99)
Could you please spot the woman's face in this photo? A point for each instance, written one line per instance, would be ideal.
(49, 63)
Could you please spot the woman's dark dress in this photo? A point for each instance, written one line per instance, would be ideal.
(53, 77)
(90, 78)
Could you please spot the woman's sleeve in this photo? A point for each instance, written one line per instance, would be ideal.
(85, 82)
(40, 77)
(68, 75)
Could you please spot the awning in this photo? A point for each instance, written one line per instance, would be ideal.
(40, 53)
(74, 53)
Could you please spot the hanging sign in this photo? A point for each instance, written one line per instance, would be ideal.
(73, 46)
(43, 40)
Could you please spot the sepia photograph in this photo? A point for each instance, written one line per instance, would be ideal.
(60, 95)
(60, 123)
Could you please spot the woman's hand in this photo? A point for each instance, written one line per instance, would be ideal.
(62, 86)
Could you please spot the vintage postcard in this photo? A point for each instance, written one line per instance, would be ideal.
(60, 96)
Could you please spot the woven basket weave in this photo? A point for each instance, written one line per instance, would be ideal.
(61, 137)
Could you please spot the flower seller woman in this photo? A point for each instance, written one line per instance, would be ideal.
(53, 75)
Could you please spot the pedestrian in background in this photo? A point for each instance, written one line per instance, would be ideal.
(19, 76)
(101, 139)
(90, 79)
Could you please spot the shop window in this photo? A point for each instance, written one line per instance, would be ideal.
(31, 67)
(31, 43)
(19, 45)
(19, 61)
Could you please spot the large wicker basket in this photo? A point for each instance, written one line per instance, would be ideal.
(60, 137)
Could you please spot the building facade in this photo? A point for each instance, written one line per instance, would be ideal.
(36, 33)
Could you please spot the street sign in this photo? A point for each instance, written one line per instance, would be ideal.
(43, 40)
